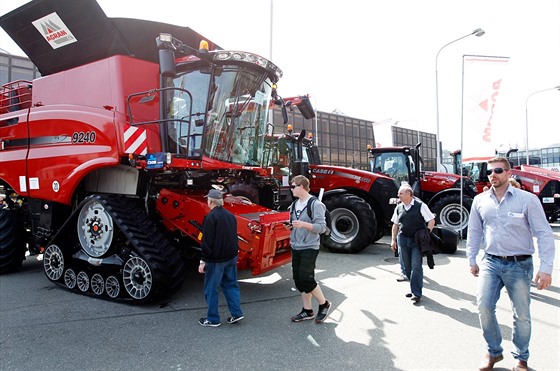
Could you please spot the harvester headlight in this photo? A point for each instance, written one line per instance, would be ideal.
(165, 37)
(168, 158)
(249, 58)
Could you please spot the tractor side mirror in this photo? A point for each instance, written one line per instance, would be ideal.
(167, 63)
(306, 108)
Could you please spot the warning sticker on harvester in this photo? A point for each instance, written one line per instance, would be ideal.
(54, 30)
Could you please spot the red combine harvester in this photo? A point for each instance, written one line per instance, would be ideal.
(440, 191)
(106, 158)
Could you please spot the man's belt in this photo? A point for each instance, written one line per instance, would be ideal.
(515, 258)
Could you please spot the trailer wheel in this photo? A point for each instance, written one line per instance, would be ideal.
(12, 241)
(353, 223)
(448, 212)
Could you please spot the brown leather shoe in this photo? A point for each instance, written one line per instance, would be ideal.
(488, 362)
(520, 366)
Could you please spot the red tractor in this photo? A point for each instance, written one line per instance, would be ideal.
(358, 201)
(544, 183)
(106, 158)
(442, 192)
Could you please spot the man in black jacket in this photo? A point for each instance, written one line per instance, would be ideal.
(219, 261)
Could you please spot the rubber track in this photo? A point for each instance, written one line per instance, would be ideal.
(149, 243)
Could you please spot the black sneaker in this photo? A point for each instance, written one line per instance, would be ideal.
(204, 322)
(303, 316)
(234, 319)
(415, 298)
(323, 312)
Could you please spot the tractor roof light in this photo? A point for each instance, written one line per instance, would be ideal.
(251, 58)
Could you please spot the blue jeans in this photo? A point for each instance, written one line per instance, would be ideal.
(412, 260)
(222, 275)
(516, 278)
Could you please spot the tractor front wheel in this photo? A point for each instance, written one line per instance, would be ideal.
(353, 224)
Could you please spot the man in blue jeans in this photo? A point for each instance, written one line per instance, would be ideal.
(506, 219)
(410, 216)
(219, 261)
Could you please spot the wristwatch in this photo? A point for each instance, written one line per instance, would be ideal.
(202, 262)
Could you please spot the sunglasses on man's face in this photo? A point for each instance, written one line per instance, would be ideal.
(294, 186)
(497, 170)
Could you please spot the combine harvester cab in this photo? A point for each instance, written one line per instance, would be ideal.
(107, 157)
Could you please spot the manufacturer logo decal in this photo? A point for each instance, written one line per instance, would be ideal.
(155, 160)
(55, 186)
(54, 30)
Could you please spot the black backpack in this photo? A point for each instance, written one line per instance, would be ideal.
(309, 208)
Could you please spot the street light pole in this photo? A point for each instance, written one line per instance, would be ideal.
(478, 32)
(527, 118)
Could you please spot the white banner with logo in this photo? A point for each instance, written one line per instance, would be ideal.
(482, 80)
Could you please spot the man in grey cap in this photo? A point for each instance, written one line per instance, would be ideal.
(219, 261)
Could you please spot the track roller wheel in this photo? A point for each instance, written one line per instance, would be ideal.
(83, 281)
(112, 287)
(97, 284)
(53, 262)
(137, 278)
(70, 278)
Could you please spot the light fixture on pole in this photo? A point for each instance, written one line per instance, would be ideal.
(527, 118)
(478, 32)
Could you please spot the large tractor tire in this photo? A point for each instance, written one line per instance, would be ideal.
(448, 213)
(12, 241)
(353, 224)
(379, 233)
(123, 256)
(448, 240)
(247, 191)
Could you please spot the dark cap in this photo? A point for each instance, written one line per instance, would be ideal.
(215, 194)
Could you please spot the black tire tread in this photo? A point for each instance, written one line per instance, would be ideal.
(12, 241)
(149, 243)
(367, 224)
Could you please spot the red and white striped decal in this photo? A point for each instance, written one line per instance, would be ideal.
(135, 140)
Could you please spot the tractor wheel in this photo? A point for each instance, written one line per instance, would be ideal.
(448, 213)
(353, 223)
(12, 241)
(248, 191)
(448, 240)
(378, 234)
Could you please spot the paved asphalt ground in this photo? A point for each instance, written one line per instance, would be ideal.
(372, 326)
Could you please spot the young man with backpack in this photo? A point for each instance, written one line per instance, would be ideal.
(305, 241)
